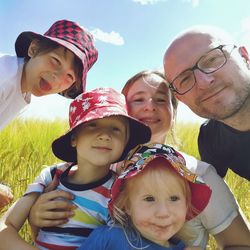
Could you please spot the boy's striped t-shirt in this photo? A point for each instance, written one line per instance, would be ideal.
(92, 208)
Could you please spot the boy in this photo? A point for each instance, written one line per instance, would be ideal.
(101, 133)
(56, 62)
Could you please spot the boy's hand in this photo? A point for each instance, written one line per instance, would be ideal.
(49, 211)
(6, 195)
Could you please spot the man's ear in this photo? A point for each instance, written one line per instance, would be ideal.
(244, 53)
(177, 96)
(33, 48)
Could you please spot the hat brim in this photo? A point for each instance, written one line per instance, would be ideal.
(139, 133)
(63, 149)
(200, 196)
(200, 192)
(25, 38)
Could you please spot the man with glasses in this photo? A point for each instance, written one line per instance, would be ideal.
(211, 75)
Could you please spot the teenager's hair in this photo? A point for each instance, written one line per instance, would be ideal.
(45, 46)
(147, 73)
(156, 174)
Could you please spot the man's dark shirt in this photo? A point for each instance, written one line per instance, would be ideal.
(224, 147)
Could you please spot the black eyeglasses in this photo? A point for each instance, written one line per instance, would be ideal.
(213, 60)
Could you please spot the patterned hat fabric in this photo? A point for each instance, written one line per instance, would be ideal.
(68, 34)
(96, 104)
(139, 157)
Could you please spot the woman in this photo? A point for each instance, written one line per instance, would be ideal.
(150, 101)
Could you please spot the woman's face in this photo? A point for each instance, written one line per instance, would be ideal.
(149, 101)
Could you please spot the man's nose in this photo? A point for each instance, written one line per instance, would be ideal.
(203, 80)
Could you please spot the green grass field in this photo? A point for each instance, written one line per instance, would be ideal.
(25, 150)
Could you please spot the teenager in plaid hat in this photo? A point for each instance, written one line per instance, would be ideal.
(150, 202)
(101, 133)
(56, 62)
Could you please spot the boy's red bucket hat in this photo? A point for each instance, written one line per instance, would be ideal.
(139, 158)
(96, 104)
(68, 34)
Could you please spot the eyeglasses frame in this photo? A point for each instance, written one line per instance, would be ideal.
(220, 47)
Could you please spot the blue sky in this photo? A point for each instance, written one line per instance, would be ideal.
(131, 35)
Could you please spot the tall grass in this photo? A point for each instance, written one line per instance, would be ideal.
(25, 148)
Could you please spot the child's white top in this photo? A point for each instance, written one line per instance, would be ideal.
(12, 101)
(221, 210)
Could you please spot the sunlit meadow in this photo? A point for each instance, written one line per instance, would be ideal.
(25, 148)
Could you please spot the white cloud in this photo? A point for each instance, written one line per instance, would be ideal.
(146, 2)
(195, 3)
(112, 37)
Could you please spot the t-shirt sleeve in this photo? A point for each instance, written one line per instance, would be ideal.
(222, 207)
(40, 182)
(211, 147)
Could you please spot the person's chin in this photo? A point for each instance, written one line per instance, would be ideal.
(39, 92)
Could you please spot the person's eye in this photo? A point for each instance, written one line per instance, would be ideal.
(174, 198)
(138, 100)
(149, 199)
(116, 129)
(91, 125)
(182, 80)
(211, 60)
(161, 100)
(55, 61)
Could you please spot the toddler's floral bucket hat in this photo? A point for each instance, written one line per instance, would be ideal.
(139, 157)
(96, 104)
(70, 35)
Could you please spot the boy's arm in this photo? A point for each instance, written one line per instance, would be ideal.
(12, 221)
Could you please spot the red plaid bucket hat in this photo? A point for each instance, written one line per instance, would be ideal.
(139, 157)
(68, 34)
(96, 104)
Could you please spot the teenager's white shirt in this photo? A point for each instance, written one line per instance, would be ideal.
(221, 210)
(12, 101)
